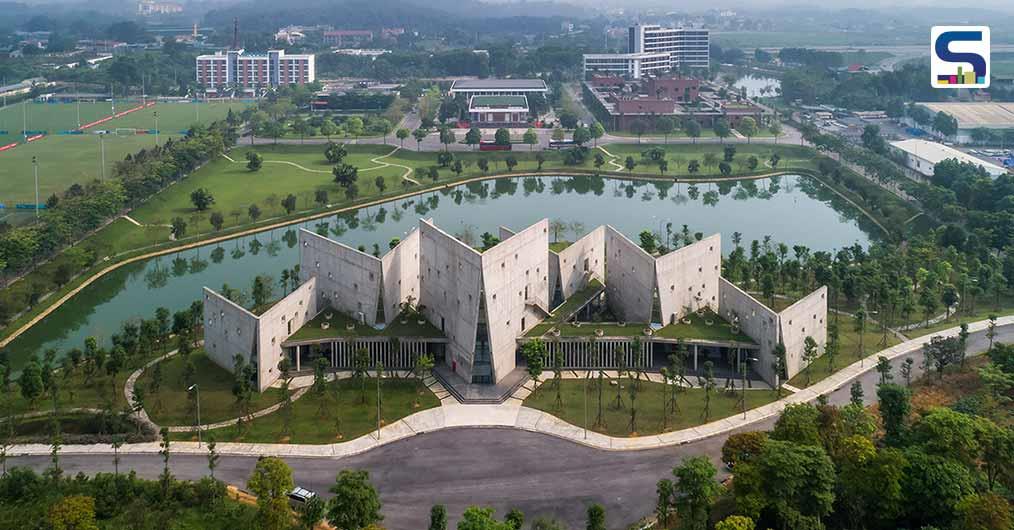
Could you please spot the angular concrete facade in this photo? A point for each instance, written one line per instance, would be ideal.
(231, 330)
(484, 303)
(582, 260)
(515, 286)
(688, 279)
(347, 279)
(630, 278)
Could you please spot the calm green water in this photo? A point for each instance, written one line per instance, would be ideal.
(793, 210)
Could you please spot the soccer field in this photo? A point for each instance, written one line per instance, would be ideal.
(68, 159)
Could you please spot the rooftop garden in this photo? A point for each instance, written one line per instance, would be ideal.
(704, 325)
(568, 308)
(333, 324)
(559, 246)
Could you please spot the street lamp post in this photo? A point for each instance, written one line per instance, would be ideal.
(156, 127)
(197, 390)
(742, 384)
(35, 169)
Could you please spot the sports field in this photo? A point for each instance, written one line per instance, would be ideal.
(68, 159)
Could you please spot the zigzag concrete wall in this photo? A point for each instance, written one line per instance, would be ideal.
(805, 318)
(630, 278)
(450, 283)
(400, 268)
(347, 279)
(229, 329)
(688, 278)
(515, 280)
(755, 319)
(583, 259)
(278, 323)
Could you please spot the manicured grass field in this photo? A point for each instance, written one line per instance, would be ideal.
(171, 405)
(649, 405)
(68, 159)
(312, 424)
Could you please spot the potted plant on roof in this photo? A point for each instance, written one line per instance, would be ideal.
(419, 315)
(407, 309)
(599, 332)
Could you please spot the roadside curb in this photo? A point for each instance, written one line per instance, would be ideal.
(524, 418)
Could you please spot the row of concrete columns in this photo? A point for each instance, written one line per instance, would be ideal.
(380, 351)
(599, 353)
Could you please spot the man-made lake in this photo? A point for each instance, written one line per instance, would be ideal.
(758, 86)
(793, 210)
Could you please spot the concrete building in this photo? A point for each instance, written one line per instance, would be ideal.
(235, 68)
(653, 50)
(923, 155)
(497, 111)
(600, 302)
(628, 65)
(498, 87)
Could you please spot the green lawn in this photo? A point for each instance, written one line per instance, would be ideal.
(68, 159)
(171, 405)
(77, 390)
(649, 412)
(311, 424)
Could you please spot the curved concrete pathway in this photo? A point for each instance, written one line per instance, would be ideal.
(451, 416)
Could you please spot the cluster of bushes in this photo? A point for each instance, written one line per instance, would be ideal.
(115, 501)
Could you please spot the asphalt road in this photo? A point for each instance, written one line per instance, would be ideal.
(502, 468)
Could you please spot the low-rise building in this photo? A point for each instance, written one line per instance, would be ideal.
(498, 87)
(628, 65)
(498, 111)
(923, 155)
(473, 310)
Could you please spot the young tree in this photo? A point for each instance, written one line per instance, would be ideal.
(289, 203)
(693, 129)
(312, 512)
(722, 129)
(663, 502)
(630, 164)
(810, 353)
(694, 490)
(534, 353)
(254, 161)
(201, 198)
(419, 135)
(531, 138)
(884, 368)
(747, 127)
(438, 517)
(596, 131)
(178, 228)
(596, 519)
(271, 482)
(895, 405)
(665, 126)
(502, 137)
(213, 457)
(856, 393)
(355, 503)
(360, 367)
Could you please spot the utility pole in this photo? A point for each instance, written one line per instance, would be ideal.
(35, 169)
(197, 389)
(24, 119)
(77, 99)
(156, 127)
(102, 147)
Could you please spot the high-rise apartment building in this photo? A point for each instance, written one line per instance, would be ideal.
(653, 50)
(687, 47)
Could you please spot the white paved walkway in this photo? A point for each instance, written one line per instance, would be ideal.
(512, 415)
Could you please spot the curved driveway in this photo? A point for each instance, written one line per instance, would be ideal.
(502, 468)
